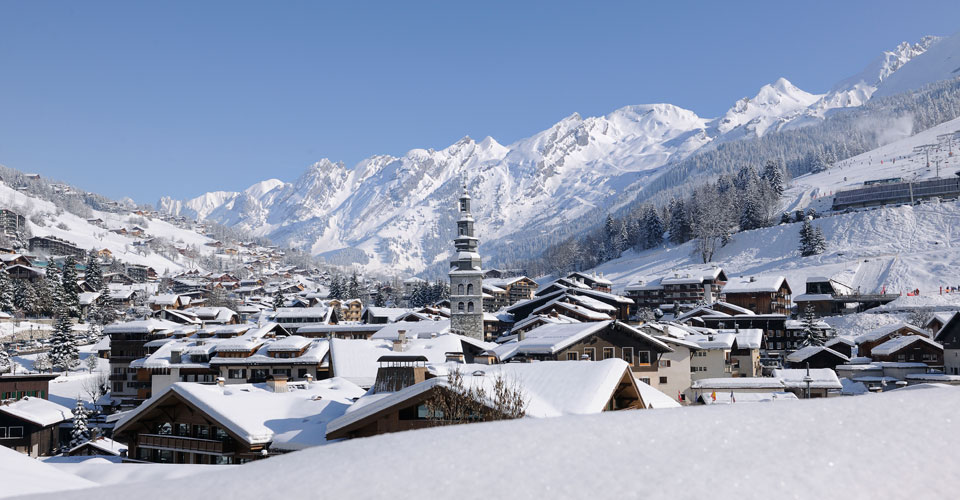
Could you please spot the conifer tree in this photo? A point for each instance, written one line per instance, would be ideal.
(6, 293)
(379, 298)
(336, 288)
(653, 228)
(80, 433)
(277, 299)
(680, 230)
(94, 274)
(773, 175)
(70, 294)
(813, 335)
(5, 363)
(353, 287)
(63, 346)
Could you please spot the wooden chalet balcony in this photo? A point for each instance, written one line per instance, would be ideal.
(180, 443)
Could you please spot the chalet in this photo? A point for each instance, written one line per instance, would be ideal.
(340, 331)
(538, 320)
(842, 345)
(51, 245)
(13, 259)
(494, 297)
(877, 336)
(11, 223)
(821, 294)
(128, 343)
(197, 424)
(350, 310)
(180, 317)
(910, 349)
(558, 291)
(760, 294)
(14, 387)
(122, 297)
(381, 315)
(405, 385)
(99, 446)
(646, 294)
(293, 357)
(774, 326)
(31, 425)
(674, 368)
(25, 273)
(593, 281)
(294, 318)
(949, 337)
(215, 315)
(818, 381)
(167, 301)
(793, 336)
(104, 253)
(938, 320)
(725, 353)
(141, 274)
(118, 279)
(356, 360)
(694, 286)
(592, 341)
(816, 357)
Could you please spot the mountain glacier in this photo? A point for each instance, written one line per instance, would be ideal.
(395, 214)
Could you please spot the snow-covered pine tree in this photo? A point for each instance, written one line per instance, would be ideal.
(812, 334)
(680, 231)
(277, 299)
(63, 346)
(91, 362)
(80, 433)
(336, 287)
(818, 244)
(353, 287)
(5, 362)
(71, 289)
(806, 239)
(379, 298)
(773, 175)
(653, 228)
(6, 293)
(753, 216)
(94, 274)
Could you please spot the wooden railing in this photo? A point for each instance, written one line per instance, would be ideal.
(180, 443)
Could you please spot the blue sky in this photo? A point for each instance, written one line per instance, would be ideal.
(179, 98)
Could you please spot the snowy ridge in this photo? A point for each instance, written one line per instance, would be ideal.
(393, 213)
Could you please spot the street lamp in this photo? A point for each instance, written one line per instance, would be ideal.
(807, 380)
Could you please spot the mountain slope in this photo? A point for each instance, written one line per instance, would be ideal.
(395, 213)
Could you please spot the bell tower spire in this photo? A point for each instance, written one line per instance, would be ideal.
(466, 276)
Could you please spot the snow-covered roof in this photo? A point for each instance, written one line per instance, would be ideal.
(822, 378)
(713, 341)
(754, 284)
(87, 298)
(554, 337)
(738, 383)
(543, 318)
(572, 309)
(747, 338)
(895, 344)
(880, 332)
(550, 388)
(804, 353)
(288, 420)
(102, 444)
(840, 339)
(291, 343)
(356, 360)
(37, 410)
(145, 326)
(390, 313)
(413, 329)
(320, 313)
(317, 350)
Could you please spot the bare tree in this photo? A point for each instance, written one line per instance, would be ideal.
(96, 386)
(455, 403)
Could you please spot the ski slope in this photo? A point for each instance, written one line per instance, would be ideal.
(894, 248)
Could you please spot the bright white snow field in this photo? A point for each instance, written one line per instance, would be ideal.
(893, 445)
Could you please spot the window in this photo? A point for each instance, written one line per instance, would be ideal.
(3, 433)
(643, 357)
(627, 353)
(645, 381)
(460, 306)
(573, 356)
(470, 289)
(460, 289)
(239, 373)
(664, 363)
(609, 352)
(590, 353)
(282, 371)
(663, 380)
(183, 430)
(302, 373)
(469, 307)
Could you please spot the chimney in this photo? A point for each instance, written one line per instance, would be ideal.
(309, 378)
(753, 278)
(277, 383)
(221, 381)
(455, 357)
(174, 357)
(400, 344)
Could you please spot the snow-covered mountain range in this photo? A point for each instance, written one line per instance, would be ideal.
(395, 213)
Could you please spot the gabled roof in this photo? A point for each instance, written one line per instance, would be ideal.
(893, 345)
(805, 353)
(413, 329)
(754, 284)
(550, 388)
(288, 420)
(38, 411)
(554, 337)
(822, 378)
(880, 332)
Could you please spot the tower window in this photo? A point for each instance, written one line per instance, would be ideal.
(469, 289)
(470, 307)
(463, 206)
(460, 306)
(460, 289)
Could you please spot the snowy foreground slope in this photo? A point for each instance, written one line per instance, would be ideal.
(901, 248)
(394, 212)
(893, 445)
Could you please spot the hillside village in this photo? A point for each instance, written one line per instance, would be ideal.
(141, 346)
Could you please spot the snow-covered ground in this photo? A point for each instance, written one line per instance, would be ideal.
(897, 249)
(76, 384)
(891, 445)
(94, 237)
(895, 159)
